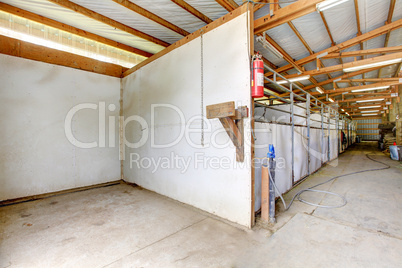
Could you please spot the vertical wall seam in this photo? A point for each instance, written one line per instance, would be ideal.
(121, 121)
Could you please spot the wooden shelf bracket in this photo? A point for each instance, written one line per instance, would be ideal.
(232, 120)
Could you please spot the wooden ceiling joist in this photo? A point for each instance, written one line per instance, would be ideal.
(349, 43)
(385, 96)
(357, 105)
(229, 5)
(183, 4)
(70, 29)
(283, 15)
(360, 94)
(151, 16)
(96, 16)
(358, 53)
(14, 47)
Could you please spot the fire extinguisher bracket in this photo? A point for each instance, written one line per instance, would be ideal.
(232, 120)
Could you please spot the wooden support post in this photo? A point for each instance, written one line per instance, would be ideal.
(264, 194)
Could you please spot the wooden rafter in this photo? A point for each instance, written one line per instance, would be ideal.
(291, 25)
(229, 5)
(349, 43)
(183, 4)
(373, 51)
(283, 15)
(285, 55)
(288, 58)
(319, 63)
(151, 16)
(14, 47)
(324, 20)
(359, 32)
(70, 29)
(389, 20)
(96, 16)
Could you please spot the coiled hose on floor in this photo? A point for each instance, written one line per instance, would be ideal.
(310, 189)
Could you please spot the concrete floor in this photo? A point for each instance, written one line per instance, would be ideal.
(123, 226)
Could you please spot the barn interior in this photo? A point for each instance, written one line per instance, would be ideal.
(200, 133)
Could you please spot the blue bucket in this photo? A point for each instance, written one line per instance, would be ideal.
(394, 152)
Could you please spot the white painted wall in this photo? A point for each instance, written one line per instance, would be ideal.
(35, 155)
(175, 78)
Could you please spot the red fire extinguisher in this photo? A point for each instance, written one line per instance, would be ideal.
(257, 81)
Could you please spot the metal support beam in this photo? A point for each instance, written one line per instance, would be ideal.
(308, 133)
(293, 133)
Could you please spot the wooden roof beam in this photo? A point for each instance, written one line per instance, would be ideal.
(349, 43)
(96, 16)
(283, 15)
(70, 29)
(184, 5)
(229, 5)
(149, 15)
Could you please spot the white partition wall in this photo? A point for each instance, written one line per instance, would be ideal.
(279, 133)
(36, 156)
(166, 94)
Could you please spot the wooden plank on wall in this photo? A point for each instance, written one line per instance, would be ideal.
(14, 47)
(221, 110)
